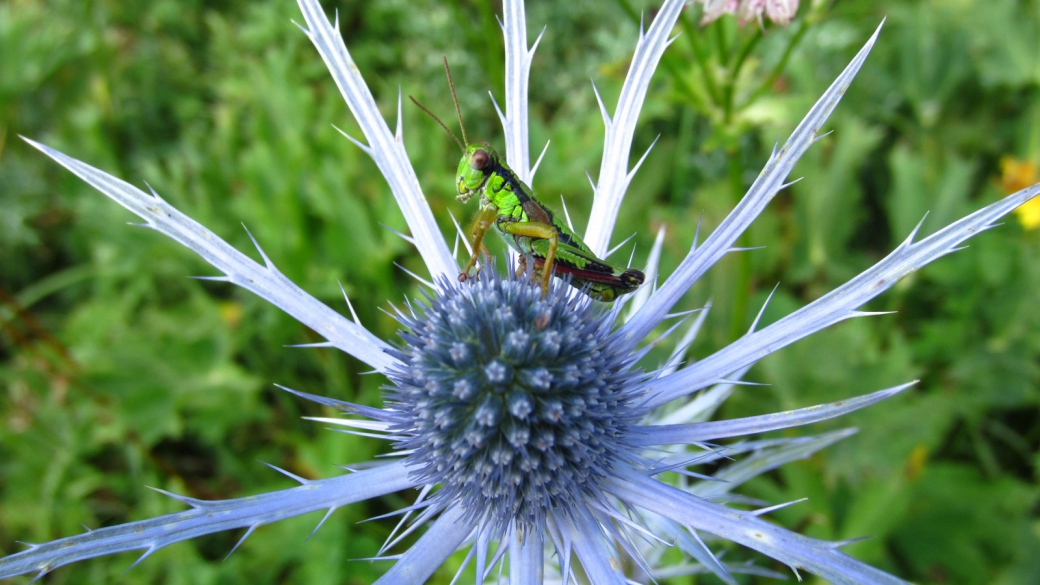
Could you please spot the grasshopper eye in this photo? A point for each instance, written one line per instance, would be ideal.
(479, 160)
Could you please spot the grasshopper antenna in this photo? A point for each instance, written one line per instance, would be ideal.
(455, 99)
(438, 120)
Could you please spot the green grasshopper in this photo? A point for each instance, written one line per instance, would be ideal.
(527, 225)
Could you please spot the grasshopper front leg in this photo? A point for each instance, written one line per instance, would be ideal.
(485, 218)
(540, 231)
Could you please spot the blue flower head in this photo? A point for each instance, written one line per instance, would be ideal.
(516, 405)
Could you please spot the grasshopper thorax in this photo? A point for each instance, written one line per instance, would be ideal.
(477, 164)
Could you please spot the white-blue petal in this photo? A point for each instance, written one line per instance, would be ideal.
(768, 184)
(385, 148)
(207, 517)
(265, 281)
(441, 539)
(816, 556)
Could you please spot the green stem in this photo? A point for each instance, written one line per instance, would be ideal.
(742, 286)
(803, 27)
(733, 74)
(745, 51)
(693, 37)
(633, 14)
(684, 144)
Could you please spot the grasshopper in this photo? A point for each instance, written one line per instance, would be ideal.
(527, 225)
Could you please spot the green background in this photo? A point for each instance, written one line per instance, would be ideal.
(118, 372)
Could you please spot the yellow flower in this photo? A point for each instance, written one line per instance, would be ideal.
(1017, 174)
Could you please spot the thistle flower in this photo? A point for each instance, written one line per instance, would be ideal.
(527, 421)
(779, 11)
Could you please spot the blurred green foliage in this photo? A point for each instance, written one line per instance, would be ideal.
(119, 373)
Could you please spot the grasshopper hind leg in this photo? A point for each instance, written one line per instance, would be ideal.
(540, 231)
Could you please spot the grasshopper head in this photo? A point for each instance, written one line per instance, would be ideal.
(474, 168)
